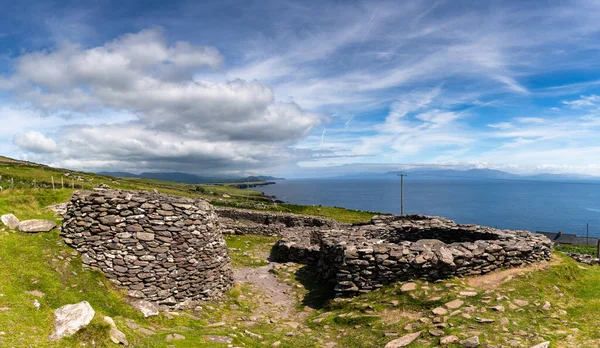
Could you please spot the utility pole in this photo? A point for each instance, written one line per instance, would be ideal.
(402, 175)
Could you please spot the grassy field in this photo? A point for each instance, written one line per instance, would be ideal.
(577, 248)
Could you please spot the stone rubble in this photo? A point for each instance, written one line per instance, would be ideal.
(585, 258)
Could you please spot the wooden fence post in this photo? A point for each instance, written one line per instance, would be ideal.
(598, 249)
(52, 182)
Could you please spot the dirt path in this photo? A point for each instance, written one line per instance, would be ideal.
(494, 279)
(278, 300)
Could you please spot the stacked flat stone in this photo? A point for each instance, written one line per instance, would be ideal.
(584, 258)
(164, 249)
(266, 223)
(397, 248)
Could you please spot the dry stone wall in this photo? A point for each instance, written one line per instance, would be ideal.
(164, 249)
(244, 221)
(396, 248)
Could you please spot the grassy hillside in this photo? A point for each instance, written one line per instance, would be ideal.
(278, 304)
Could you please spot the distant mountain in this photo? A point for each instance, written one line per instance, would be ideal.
(267, 178)
(452, 173)
(494, 174)
(192, 178)
(119, 174)
(566, 176)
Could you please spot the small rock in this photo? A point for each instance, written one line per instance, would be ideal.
(546, 306)
(449, 339)
(148, 309)
(440, 311)
(36, 304)
(468, 293)
(436, 333)
(115, 335)
(71, 318)
(470, 342)
(521, 303)
(484, 320)
(403, 341)
(174, 337)
(220, 339)
(498, 308)
(221, 323)
(253, 335)
(454, 304)
(542, 345)
(35, 226)
(408, 287)
(10, 221)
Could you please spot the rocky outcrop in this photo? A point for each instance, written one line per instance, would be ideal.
(164, 249)
(396, 248)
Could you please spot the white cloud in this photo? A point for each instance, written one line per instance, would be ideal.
(584, 102)
(35, 142)
(178, 119)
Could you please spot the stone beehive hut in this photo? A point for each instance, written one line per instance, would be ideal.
(163, 249)
(397, 248)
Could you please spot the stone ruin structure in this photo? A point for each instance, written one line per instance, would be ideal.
(171, 250)
(365, 257)
(266, 223)
(163, 249)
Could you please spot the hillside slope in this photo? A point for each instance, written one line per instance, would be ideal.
(279, 304)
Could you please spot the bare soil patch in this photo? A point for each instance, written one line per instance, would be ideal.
(494, 279)
(278, 298)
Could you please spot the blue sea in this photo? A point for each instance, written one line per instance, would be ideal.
(506, 204)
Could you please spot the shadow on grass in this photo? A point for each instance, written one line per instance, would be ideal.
(320, 291)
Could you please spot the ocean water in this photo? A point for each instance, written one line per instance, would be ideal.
(506, 204)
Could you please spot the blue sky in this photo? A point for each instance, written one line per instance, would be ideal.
(301, 88)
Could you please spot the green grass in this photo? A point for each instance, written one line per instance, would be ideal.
(249, 250)
(335, 213)
(577, 248)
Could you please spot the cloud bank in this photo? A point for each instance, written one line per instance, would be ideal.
(172, 117)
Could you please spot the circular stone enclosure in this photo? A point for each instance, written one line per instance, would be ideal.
(398, 248)
(164, 249)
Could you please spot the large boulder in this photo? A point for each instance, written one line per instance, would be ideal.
(35, 226)
(71, 318)
(10, 221)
